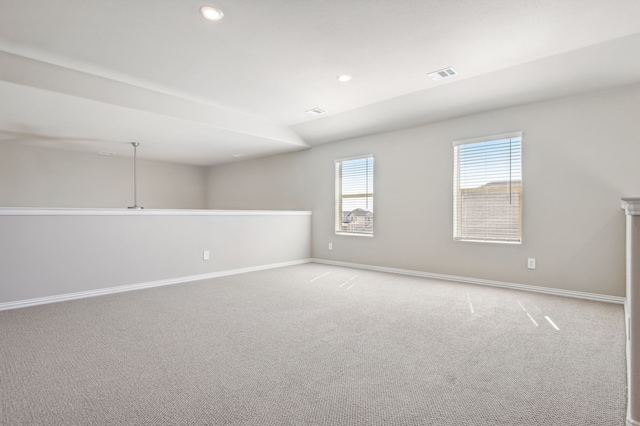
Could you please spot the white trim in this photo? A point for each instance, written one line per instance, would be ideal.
(357, 157)
(338, 194)
(631, 206)
(457, 189)
(149, 284)
(627, 342)
(502, 284)
(14, 211)
(130, 287)
(488, 138)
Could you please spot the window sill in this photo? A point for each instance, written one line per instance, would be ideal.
(465, 240)
(354, 234)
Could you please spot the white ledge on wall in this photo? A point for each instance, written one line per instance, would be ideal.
(18, 211)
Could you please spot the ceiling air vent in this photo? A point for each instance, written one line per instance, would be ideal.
(316, 111)
(445, 73)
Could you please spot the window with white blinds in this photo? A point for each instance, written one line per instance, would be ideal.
(487, 187)
(354, 195)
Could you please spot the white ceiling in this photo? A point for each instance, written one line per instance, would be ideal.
(93, 75)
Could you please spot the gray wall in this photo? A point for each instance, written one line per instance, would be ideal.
(56, 255)
(39, 177)
(580, 156)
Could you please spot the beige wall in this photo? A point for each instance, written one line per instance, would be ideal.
(579, 157)
(39, 177)
(280, 182)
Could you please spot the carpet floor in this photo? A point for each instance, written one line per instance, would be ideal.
(315, 345)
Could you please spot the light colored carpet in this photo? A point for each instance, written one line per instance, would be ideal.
(314, 345)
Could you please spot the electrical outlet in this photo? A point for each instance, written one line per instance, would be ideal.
(205, 255)
(330, 246)
(531, 263)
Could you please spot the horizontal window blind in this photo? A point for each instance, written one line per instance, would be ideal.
(488, 189)
(354, 196)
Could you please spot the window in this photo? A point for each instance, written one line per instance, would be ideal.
(487, 186)
(354, 196)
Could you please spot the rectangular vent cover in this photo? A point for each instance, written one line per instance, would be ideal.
(445, 73)
(316, 110)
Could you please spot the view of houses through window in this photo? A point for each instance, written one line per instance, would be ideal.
(354, 196)
(488, 189)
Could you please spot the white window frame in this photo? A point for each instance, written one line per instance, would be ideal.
(369, 193)
(513, 180)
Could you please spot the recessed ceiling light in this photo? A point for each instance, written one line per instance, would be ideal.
(239, 155)
(106, 153)
(316, 111)
(343, 78)
(440, 74)
(211, 13)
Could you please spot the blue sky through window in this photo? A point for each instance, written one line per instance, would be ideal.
(490, 162)
(357, 179)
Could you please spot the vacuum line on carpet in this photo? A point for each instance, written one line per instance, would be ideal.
(347, 281)
(326, 273)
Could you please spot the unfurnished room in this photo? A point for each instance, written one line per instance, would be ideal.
(320, 213)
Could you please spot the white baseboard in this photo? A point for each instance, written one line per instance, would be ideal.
(91, 293)
(131, 287)
(513, 286)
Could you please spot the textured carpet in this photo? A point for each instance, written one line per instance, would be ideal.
(314, 345)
